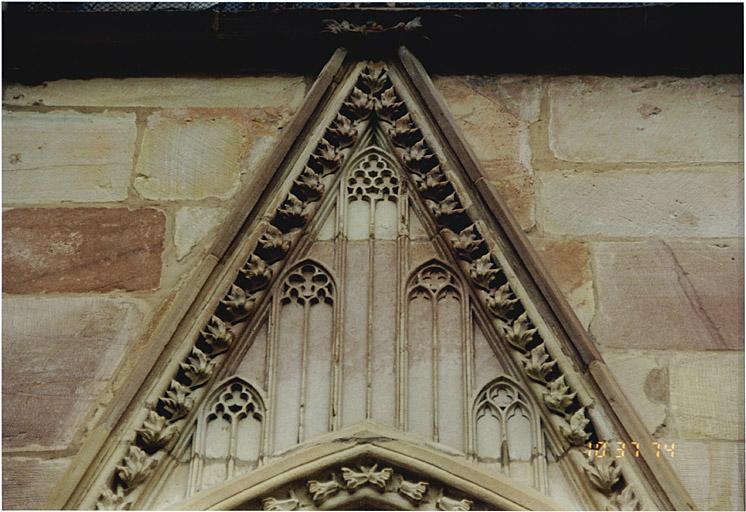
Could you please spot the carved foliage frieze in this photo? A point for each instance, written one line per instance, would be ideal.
(386, 483)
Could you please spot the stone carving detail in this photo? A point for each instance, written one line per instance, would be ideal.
(236, 402)
(309, 185)
(498, 407)
(445, 503)
(433, 281)
(135, 467)
(606, 475)
(178, 401)
(256, 274)
(538, 364)
(275, 504)
(500, 301)
(624, 500)
(603, 473)
(387, 482)
(574, 427)
(198, 368)
(466, 243)
(520, 333)
(559, 397)
(373, 181)
(111, 500)
(373, 96)
(307, 284)
(369, 27)
(415, 491)
(156, 433)
(295, 212)
(218, 336)
(229, 431)
(366, 475)
(483, 271)
(322, 490)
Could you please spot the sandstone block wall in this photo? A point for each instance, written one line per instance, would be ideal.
(631, 188)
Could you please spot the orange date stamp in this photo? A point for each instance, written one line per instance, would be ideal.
(620, 449)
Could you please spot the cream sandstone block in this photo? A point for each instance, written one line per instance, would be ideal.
(243, 92)
(707, 395)
(65, 156)
(640, 203)
(646, 119)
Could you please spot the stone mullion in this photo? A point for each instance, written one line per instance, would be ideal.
(340, 260)
(371, 298)
(195, 466)
(268, 362)
(232, 447)
(434, 340)
(272, 387)
(402, 252)
(304, 371)
(340, 245)
(467, 375)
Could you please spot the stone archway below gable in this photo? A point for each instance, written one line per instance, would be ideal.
(369, 467)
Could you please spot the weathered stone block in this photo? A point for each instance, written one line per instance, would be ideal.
(494, 113)
(58, 354)
(82, 249)
(192, 226)
(673, 295)
(711, 471)
(515, 184)
(707, 395)
(643, 377)
(200, 153)
(28, 481)
(570, 264)
(250, 91)
(641, 203)
(67, 156)
(655, 119)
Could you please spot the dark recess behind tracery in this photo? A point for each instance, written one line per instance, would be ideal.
(681, 39)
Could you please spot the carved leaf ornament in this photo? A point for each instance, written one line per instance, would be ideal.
(373, 96)
(346, 481)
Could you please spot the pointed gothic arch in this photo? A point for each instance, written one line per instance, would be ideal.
(557, 361)
(306, 288)
(234, 413)
(382, 470)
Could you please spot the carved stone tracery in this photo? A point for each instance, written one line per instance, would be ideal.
(307, 284)
(373, 95)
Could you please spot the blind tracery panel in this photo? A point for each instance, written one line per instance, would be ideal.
(302, 387)
(229, 435)
(436, 355)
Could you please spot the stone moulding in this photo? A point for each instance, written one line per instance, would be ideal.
(407, 474)
(524, 309)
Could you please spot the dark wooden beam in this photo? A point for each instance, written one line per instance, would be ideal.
(681, 39)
